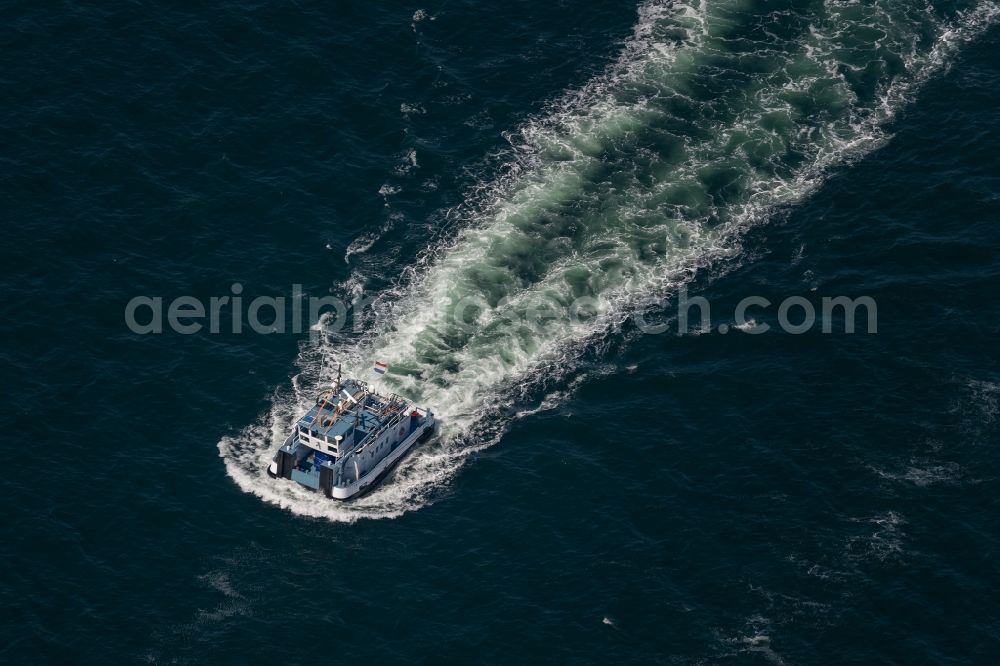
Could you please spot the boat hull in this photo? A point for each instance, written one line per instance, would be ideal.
(369, 481)
(374, 476)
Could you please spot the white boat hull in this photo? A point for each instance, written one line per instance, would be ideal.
(375, 474)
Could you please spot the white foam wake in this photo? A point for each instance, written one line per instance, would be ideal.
(620, 192)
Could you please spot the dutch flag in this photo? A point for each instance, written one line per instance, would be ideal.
(381, 367)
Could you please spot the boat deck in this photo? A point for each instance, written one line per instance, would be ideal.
(368, 421)
(310, 478)
(307, 472)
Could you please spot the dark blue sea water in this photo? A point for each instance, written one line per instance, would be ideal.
(597, 494)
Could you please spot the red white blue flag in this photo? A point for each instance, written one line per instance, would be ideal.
(381, 367)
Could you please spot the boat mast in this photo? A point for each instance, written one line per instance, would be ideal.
(325, 401)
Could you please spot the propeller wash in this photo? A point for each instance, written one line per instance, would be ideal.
(715, 116)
